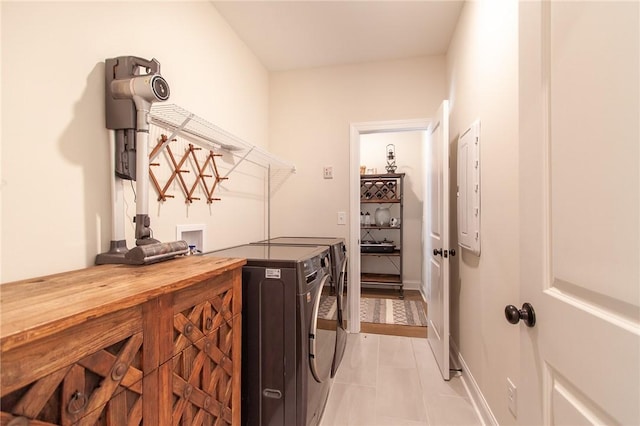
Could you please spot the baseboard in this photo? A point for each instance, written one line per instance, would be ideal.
(411, 285)
(473, 390)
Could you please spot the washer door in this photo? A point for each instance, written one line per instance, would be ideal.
(321, 340)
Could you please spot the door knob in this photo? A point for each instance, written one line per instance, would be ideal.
(451, 252)
(437, 252)
(526, 314)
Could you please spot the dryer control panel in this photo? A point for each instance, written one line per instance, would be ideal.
(316, 268)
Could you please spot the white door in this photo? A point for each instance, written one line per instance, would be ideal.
(579, 203)
(437, 253)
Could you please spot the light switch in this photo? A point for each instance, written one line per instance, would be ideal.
(342, 218)
(328, 172)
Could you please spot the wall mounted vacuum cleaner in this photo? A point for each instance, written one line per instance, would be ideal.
(132, 85)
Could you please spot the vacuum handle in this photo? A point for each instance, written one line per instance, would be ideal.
(152, 65)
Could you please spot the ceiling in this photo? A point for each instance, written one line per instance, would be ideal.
(289, 35)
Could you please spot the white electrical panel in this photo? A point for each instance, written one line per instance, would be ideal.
(469, 189)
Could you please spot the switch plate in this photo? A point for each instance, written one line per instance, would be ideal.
(342, 218)
(327, 172)
(512, 397)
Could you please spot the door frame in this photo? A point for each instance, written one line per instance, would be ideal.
(355, 130)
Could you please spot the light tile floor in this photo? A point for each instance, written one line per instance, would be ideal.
(395, 381)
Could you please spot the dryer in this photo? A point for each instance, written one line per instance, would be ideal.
(338, 253)
(286, 358)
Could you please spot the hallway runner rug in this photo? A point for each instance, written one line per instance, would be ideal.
(380, 311)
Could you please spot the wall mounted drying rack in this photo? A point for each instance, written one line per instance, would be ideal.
(208, 135)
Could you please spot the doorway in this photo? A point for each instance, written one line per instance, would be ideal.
(357, 131)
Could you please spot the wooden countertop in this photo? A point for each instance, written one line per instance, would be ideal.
(34, 308)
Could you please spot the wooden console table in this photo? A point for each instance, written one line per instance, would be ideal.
(116, 344)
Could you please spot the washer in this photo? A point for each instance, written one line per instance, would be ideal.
(338, 252)
(286, 358)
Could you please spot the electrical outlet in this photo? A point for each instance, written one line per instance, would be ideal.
(512, 397)
(342, 218)
(327, 172)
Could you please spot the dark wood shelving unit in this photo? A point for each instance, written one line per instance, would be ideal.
(383, 189)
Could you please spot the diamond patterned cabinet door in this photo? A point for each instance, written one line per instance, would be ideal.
(203, 360)
(196, 322)
(202, 380)
(103, 388)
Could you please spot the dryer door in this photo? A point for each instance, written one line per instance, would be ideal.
(341, 333)
(322, 341)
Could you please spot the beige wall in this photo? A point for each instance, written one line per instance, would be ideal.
(310, 113)
(483, 84)
(55, 180)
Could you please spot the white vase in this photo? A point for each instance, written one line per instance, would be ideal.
(382, 216)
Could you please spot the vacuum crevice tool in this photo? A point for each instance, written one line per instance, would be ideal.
(132, 84)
